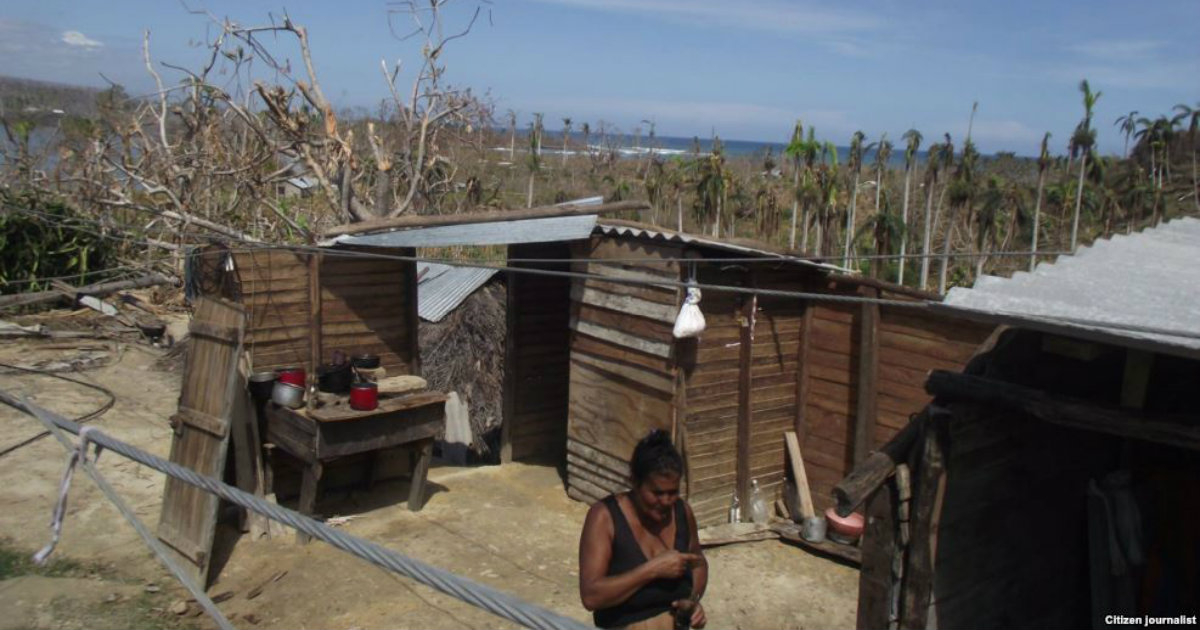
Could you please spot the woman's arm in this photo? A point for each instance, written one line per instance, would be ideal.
(699, 568)
(598, 590)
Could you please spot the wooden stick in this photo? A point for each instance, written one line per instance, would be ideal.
(804, 500)
(104, 288)
(919, 570)
(868, 369)
(544, 212)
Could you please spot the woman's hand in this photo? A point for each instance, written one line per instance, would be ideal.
(699, 619)
(671, 564)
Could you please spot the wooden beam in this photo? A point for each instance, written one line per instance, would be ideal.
(1172, 430)
(410, 306)
(802, 372)
(103, 288)
(545, 212)
(926, 512)
(868, 476)
(868, 368)
(509, 402)
(745, 356)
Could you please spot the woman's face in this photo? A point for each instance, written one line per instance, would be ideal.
(656, 495)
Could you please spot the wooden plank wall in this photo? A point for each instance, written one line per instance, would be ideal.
(537, 351)
(711, 416)
(622, 369)
(273, 287)
(367, 305)
(911, 344)
(774, 368)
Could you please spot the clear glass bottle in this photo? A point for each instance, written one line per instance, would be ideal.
(758, 505)
(735, 508)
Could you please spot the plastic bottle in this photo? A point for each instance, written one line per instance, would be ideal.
(735, 509)
(758, 505)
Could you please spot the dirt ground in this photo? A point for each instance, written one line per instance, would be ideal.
(510, 526)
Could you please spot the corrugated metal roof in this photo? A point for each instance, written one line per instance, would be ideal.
(1137, 290)
(668, 236)
(443, 288)
(550, 229)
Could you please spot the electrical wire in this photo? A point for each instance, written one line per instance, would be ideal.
(112, 399)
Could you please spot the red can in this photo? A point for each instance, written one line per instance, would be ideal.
(364, 396)
(293, 375)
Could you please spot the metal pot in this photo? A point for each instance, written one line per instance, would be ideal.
(335, 379)
(262, 384)
(287, 395)
(364, 396)
(813, 528)
(365, 361)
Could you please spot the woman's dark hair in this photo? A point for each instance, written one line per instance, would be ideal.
(654, 454)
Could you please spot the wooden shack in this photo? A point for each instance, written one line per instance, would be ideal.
(593, 366)
(1053, 483)
(300, 306)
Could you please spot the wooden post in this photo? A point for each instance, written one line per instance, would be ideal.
(802, 370)
(878, 551)
(511, 354)
(925, 513)
(1138, 364)
(314, 320)
(414, 321)
(868, 368)
(749, 307)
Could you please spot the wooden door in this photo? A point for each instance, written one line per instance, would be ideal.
(189, 515)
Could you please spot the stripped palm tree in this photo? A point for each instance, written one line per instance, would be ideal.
(793, 151)
(1128, 125)
(1192, 114)
(882, 154)
(1082, 140)
(566, 140)
(962, 194)
(933, 166)
(854, 164)
(1044, 162)
(912, 139)
(534, 162)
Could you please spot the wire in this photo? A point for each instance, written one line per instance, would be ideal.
(466, 590)
(112, 399)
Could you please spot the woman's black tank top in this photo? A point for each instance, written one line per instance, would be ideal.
(655, 597)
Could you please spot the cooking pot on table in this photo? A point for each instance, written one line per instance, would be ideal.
(365, 361)
(364, 396)
(293, 375)
(262, 384)
(335, 379)
(288, 395)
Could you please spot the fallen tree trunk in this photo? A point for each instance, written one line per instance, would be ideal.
(103, 288)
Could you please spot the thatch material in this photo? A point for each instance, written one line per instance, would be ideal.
(465, 353)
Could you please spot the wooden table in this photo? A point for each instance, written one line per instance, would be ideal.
(320, 435)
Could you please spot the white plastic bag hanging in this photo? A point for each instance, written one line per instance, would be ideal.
(690, 322)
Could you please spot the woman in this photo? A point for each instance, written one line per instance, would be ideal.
(639, 554)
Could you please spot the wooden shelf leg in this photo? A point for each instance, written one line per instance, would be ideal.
(416, 492)
(308, 495)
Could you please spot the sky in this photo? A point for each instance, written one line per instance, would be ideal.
(740, 70)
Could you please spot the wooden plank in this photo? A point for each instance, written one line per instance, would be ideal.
(803, 497)
(656, 348)
(314, 322)
(342, 412)
(624, 303)
(187, 522)
(227, 334)
(611, 414)
(608, 350)
(649, 379)
(865, 406)
(414, 322)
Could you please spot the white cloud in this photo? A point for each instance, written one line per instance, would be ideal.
(769, 15)
(75, 38)
(1122, 50)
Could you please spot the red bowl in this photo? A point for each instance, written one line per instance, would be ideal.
(295, 376)
(850, 526)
